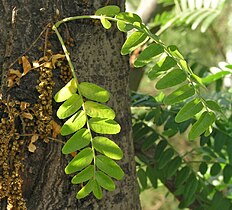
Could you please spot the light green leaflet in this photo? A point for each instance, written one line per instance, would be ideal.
(84, 175)
(67, 91)
(78, 141)
(80, 161)
(129, 17)
(109, 11)
(175, 52)
(107, 147)
(86, 190)
(97, 191)
(94, 92)
(104, 126)
(94, 109)
(189, 110)
(202, 124)
(109, 167)
(172, 78)
(148, 54)
(122, 26)
(74, 123)
(180, 94)
(133, 41)
(105, 181)
(70, 106)
(105, 23)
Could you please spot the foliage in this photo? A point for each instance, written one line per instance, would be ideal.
(182, 105)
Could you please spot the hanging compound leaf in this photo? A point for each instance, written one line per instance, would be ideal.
(97, 191)
(148, 54)
(133, 41)
(202, 124)
(80, 161)
(94, 109)
(84, 175)
(78, 141)
(86, 190)
(179, 94)
(109, 167)
(74, 123)
(109, 11)
(94, 92)
(67, 91)
(107, 147)
(104, 126)
(70, 106)
(189, 110)
(105, 181)
(105, 23)
(172, 78)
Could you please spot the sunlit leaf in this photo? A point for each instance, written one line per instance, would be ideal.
(213, 77)
(94, 109)
(86, 190)
(67, 91)
(128, 17)
(175, 52)
(110, 11)
(124, 27)
(105, 181)
(109, 166)
(80, 161)
(97, 191)
(104, 126)
(199, 127)
(78, 141)
(84, 175)
(70, 106)
(74, 123)
(105, 23)
(107, 147)
(94, 92)
(135, 40)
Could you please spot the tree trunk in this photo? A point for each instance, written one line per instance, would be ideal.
(96, 55)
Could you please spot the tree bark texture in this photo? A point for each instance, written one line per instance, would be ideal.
(97, 59)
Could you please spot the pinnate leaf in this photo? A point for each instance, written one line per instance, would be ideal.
(94, 109)
(202, 124)
(84, 175)
(104, 126)
(80, 161)
(135, 40)
(94, 92)
(105, 181)
(78, 141)
(67, 91)
(74, 123)
(70, 106)
(107, 147)
(109, 167)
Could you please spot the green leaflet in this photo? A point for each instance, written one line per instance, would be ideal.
(104, 181)
(213, 105)
(84, 175)
(94, 109)
(74, 123)
(163, 64)
(70, 106)
(227, 173)
(86, 190)
(203, 168)
(107, 147)
(165, 158)
(133, 41)
(172, 78)
(97, 191)
(78, 141)
(124, 27)
(189, 110)
(151, 174)
(141, 174)
(80, 161)
(175, 52)
(173, 166)
(211, 78)
(160, 148)
(104, 126)
(148, 54)
(129, 17)
(105, 23)
(199, 127)
(215, 169)
(110, 11)
(182, 176)
(109, 167)
(179, 94)
(94, 92)
(67, 91)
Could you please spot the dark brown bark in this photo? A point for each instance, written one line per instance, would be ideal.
(96, 56)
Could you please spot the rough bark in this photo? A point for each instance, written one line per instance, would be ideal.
(96, 56)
